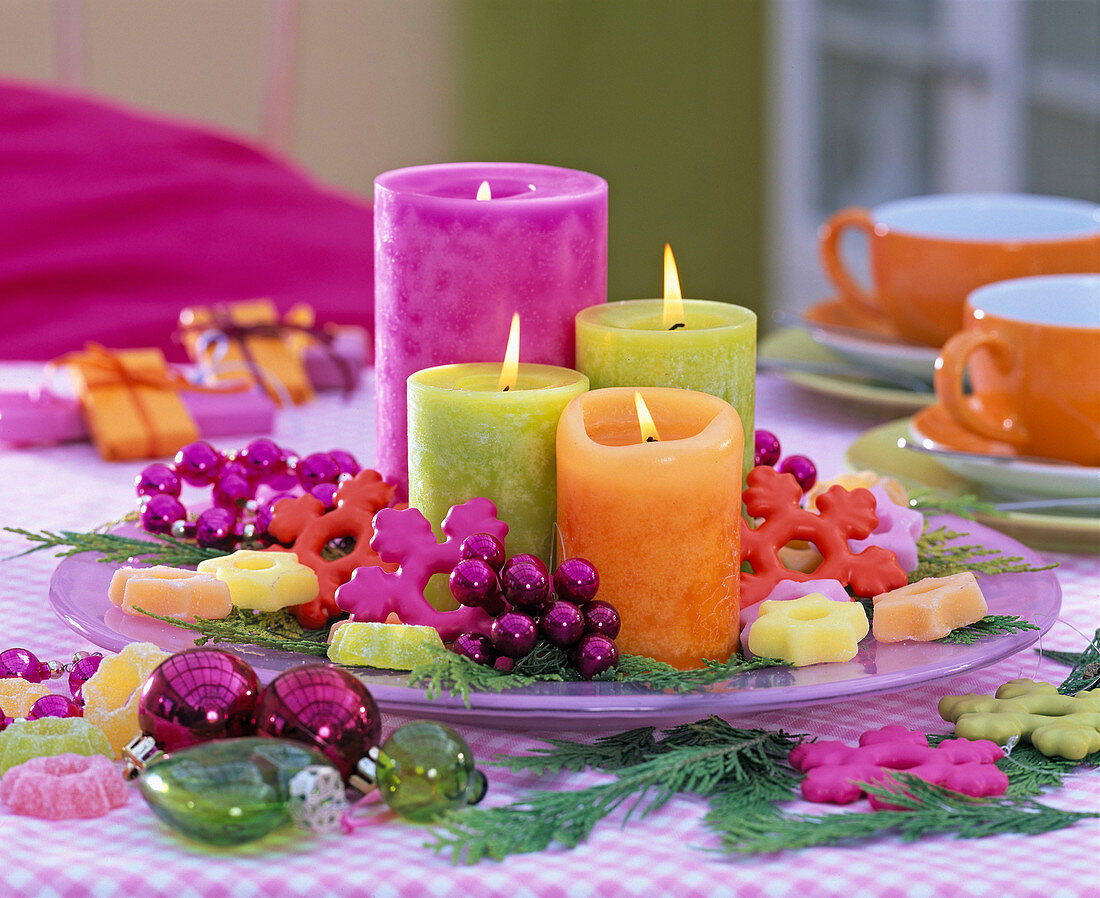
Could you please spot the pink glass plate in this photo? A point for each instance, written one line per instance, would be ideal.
(78, 594)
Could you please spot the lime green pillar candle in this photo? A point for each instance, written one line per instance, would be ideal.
(626, 344)
(469, 438)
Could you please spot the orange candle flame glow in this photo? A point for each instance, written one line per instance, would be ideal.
(673, 313)
(509, 371)
(645, 420)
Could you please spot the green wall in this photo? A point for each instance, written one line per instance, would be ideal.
(662, 98)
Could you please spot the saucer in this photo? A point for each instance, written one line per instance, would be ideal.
(934, 428)
(794, 345)
(865, 338)
(1056, 530)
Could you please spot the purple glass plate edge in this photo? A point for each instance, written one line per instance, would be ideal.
(78, 595)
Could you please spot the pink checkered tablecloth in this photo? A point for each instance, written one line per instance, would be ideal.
(669, 853)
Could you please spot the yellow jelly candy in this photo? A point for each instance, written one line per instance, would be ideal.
(112, 694)
(388, 646)
(17, 696)
(928, 609)
(808, 630)
(265, 581)
(1062, 726)
(170, 592)
(26, 739)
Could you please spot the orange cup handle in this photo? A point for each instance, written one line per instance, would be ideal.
(949, 377)
(828, 244)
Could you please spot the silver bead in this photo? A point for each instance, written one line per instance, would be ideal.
(248, 531)
(252, 506)
(343, 478)
(177, 529)
(57, 669)
(292, 462)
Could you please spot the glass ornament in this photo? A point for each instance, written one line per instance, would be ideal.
(325, 707)
(422, 771)
(233, 791)
(198, 695)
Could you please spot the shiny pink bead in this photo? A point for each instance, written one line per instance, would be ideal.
(80, 674)
(54, 705)
(525, 581)
(325, 493)
(474, 584)
(215, 528)
(601, 617)
(288, 479)
(766, 448)
(477, 647)
(317, 468)
(232, 491)
(562, 623)
(345, 461)
(263, 460)
(160, 513)
(594, 654)
(23, 663)
(486, 547)
(802, 468)
(197, 695)
(267, 509)
(198, 463)
(514, 634)
(155, 479)
(576, 581)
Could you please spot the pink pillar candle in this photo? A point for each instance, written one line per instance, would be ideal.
(450, 269)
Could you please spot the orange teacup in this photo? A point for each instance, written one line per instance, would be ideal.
(1032, 349)
(927, 253)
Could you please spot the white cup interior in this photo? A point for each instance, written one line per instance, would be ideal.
(1066, 300)
(990, 216)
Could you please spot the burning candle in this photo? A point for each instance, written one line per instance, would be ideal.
(458, 249)
(657, 509)
(693, 344)
(489, 430)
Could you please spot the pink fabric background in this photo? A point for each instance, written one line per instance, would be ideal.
(112, 220)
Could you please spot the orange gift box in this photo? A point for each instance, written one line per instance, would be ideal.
(255, 342)
(130, 402)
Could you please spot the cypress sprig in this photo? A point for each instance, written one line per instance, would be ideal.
(929, 810)
(269, 631)
(1030, 772)
(940, 557)
(931, 501)
(116, 549)
(1086, 670)
(990, 625)
(707, 758)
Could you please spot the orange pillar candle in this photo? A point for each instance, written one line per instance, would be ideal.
(658, 517)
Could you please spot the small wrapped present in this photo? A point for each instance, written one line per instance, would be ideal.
(249, 340)
(133, 404)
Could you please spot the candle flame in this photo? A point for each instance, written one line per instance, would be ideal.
(483, 191)
(509, 371)
(645, 420)
(673, 315)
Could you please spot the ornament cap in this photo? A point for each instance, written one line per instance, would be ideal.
(138, 753)
(365, 776)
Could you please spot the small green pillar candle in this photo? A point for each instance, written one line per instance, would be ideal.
(625, 344)
(469, 438)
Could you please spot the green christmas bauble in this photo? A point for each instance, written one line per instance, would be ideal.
(230, 791)
(426, 769)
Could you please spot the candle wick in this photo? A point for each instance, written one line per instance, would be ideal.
(677, 325)
(505, 390)
(651, 439)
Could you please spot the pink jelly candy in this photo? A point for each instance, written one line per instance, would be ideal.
(897, 531)
(833, 769)
(785, 590)
(62, 787)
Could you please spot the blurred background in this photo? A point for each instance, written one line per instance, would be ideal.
(729, 128)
